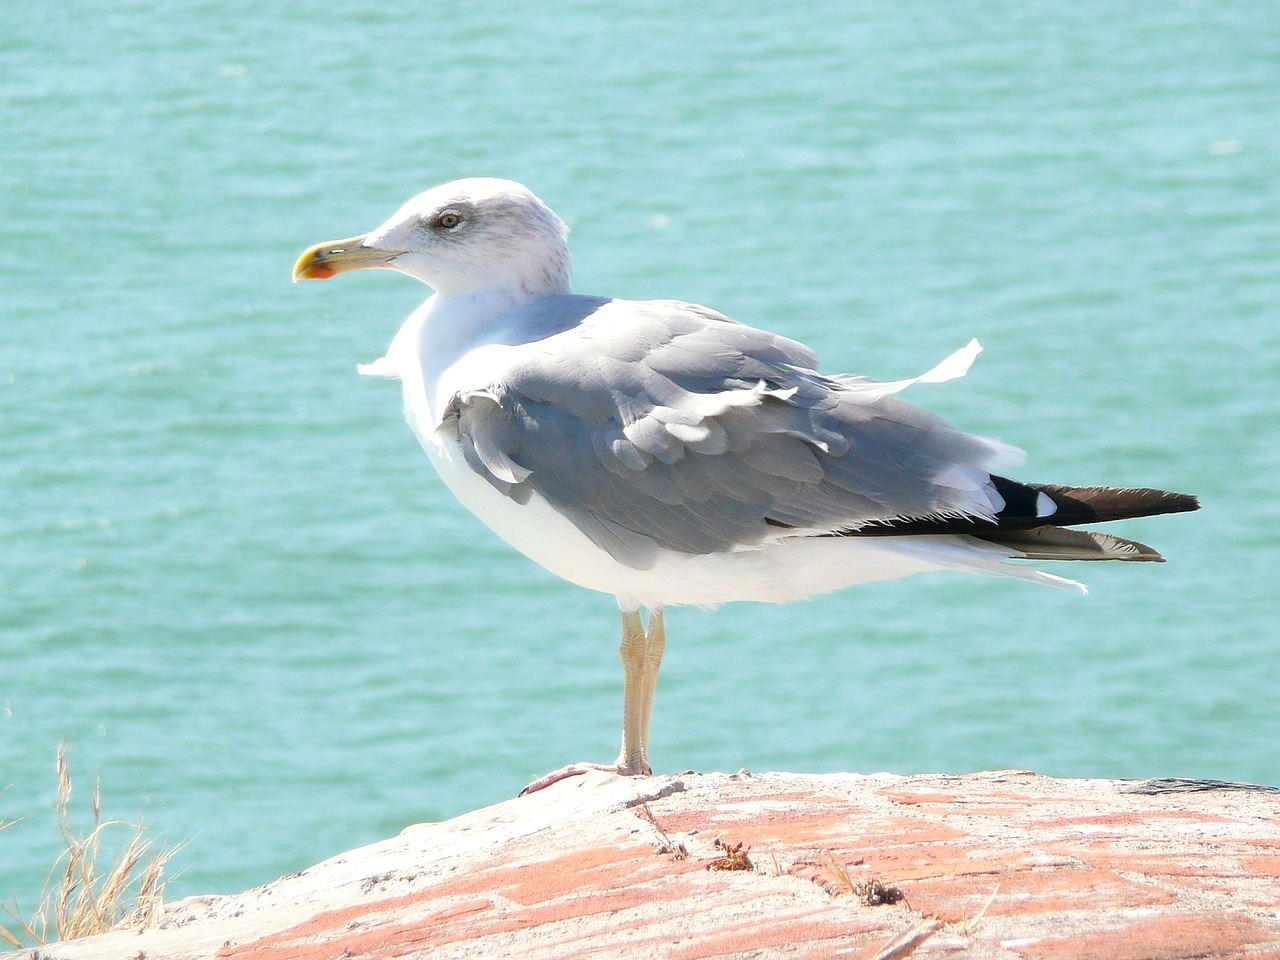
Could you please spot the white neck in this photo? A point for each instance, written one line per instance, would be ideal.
(456, 323)
(439, 337)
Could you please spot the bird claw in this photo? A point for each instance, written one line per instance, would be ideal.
(578, 769)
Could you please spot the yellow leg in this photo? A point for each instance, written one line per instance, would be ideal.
(657, 637)
(641, 653)
(632, 760)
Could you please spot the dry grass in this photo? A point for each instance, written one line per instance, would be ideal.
(838, 875)
(84, 895)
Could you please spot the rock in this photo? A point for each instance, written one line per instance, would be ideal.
(1005, 864)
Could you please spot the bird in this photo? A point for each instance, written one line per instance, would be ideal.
(658, 451)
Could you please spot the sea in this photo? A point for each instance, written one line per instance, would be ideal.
(233, 587)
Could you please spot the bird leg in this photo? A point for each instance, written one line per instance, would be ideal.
(641, 652)
(653, 660)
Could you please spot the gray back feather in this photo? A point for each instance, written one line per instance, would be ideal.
(660, 424)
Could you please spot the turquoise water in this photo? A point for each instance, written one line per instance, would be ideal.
(232, 584)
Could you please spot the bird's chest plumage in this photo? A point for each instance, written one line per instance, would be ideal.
(432, 372)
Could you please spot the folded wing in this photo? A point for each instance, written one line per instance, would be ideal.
(693, 433)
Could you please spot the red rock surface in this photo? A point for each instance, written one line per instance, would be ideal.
(1006, 864)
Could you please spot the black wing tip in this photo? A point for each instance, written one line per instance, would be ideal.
(1101, 504)
(1073, 506)
(1168, 500)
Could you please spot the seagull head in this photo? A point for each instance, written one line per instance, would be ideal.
(460, 238)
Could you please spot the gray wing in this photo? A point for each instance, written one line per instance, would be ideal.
(660, 424)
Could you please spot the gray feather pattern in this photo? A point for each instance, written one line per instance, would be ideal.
(665, 425)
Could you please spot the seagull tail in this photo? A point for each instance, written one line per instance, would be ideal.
(1036, 520)
(1056, 508)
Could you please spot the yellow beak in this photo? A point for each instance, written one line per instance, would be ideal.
(325, 260)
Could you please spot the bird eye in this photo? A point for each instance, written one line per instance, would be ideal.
(448, 220)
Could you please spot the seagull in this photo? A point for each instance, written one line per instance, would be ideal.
(661, 452)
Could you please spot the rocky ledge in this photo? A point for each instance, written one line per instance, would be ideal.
(1004, 864)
